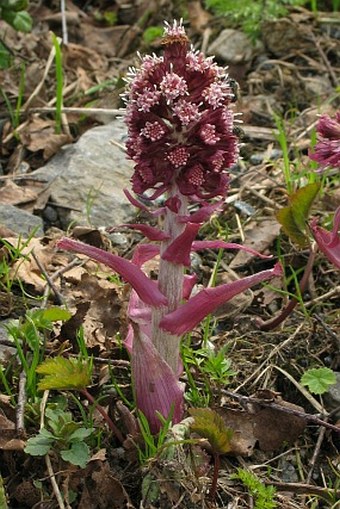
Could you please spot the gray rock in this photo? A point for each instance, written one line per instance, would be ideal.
(20, 221)
(332, 397)
(89, 177)
(233, 46)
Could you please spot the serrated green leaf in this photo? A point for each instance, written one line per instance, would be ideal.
(318, 380)
(293, 218)
(78, 454)
(210, 425)
(66, 374)
(40, 444)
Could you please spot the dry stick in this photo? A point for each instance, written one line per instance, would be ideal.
(273, 352)
(54, 276)
(304, 488)
(63, 22)
(325, 59)
(55, 486)
(80, 111)
(274, 322)
(20, 408)
(57, 294)
(275, 406)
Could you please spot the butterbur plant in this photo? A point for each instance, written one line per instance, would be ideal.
(181, 139)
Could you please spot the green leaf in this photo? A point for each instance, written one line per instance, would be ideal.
(40, 444)
(20, 21)
(78, 454)
(210, 425)
(318, 380)
(56, 314)
(5, 57)
(67, 374)
(80, 434)
(293, 218)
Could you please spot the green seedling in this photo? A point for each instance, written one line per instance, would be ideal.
(209, 424)
(62, 435)
(250, 14)
(263, 495)
(318, 380)
(72, 375)
(29, 337)
(153, 444)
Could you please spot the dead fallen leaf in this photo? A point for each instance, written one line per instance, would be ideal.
(268, 427)
(13, 194)
(258, 236)
(199, 18)
(40, 134)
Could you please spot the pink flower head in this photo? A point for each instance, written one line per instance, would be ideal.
(180, 126)
(328, 242)
(327, 150)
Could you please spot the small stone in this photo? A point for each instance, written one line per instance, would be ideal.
(50, 214)
(20, 221)
(233, 46)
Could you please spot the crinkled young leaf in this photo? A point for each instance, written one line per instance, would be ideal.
(293, 218)
(145, 287)
(66, 374)
(210, 425)
(190, 314)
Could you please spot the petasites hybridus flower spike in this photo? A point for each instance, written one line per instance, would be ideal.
(180, 136)
(327, 150)
(179, 121)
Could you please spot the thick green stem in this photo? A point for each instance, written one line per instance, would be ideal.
(170, 282)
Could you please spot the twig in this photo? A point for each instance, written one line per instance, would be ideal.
(50, 283)
(316, 452)
(328, 329)
(325, 59)
(287, 410)
(57, 274)
(20, 408)
(325, 296)
(273, 352)
(327, 493)
(81, 111)
(55, 486)
(63, 22)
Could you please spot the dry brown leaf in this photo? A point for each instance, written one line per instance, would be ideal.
(40, 134)
(199, 18)
(13, 194)
(8, 436)
(268, 427)
(258, 236)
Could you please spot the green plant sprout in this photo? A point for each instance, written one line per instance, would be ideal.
(318, 380)
(28, 335)
(263, 495)
(63, 435)
(153, 445)
(250, 14)
(73, 375)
